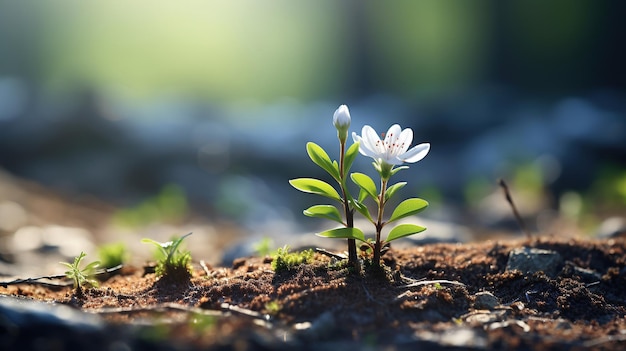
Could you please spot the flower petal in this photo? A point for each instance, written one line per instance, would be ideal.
(372, 140)
(404, 141)
(394, 161)
(364, 148)
(416, 153)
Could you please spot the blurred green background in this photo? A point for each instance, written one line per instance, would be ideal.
(269, 50)
(122, 98)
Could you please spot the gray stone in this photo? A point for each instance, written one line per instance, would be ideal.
(532, 260)
(25, 313)
(485, 301)
(321, 328)
(463, 337)
(612, 227)
(587, 275)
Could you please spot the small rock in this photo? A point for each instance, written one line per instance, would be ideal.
(612, 227)
(485, 301)
(506, 324)
(587, 275)
(462, 337)
(481, 317)
(320, 328)
(532, 260)
(27, 313)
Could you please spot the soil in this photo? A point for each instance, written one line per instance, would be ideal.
(427, 297)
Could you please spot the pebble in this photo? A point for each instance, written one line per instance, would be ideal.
(485, 301)
(21, 313)
(532, 260)
(321, 328)
(463, 337)
(587, 275)
(612, 227)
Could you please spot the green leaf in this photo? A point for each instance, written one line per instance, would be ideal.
(402, 230)
(392, 190)
(324, 211)
(362, 195)
(320, 158)
(366, 183)
(408, 207)
(396, 170)
(343, 233)
(362, 209)
(177, 242)
(155, 243)
(349, 157)
(90, 267)
(315, 186)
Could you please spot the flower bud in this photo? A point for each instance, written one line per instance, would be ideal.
(341, 120)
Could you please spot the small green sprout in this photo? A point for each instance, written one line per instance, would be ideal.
(112, 255)
(273, 307)
(283, 260)
(171, 262)
(264, 247)
(81, 277)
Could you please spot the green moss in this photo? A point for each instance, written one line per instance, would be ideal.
(283, 260)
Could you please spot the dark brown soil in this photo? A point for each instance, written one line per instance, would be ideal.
(323, 306)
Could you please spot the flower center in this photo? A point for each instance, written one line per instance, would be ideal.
(387, 148)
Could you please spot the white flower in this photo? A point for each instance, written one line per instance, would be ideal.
(393, 149)
(341, 120)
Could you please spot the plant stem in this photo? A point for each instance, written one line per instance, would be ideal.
(352, 258)
(379, 222)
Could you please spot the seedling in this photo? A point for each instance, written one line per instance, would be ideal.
(171, 262)
(81, 277)
(273, 307)
(387, 154)
(264, 247)
(112, 255)
(283, 260)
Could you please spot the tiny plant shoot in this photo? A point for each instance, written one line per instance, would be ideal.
(387, 154)
(81, 277)
(112, 255)
(172, 263)
(338, 171)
